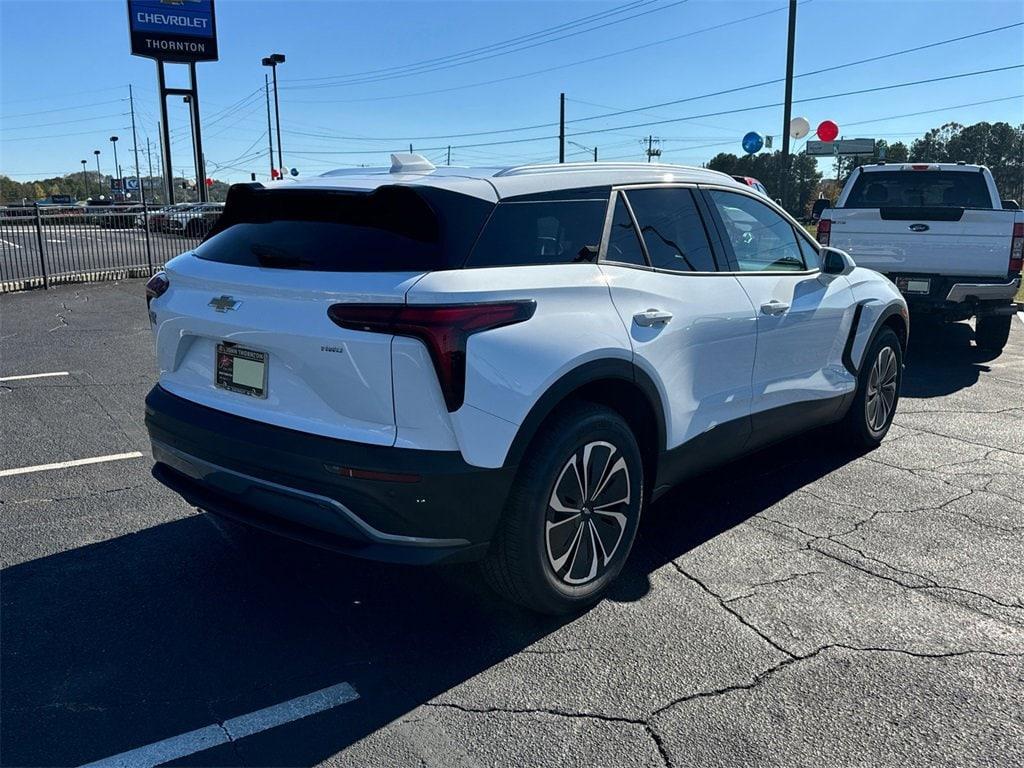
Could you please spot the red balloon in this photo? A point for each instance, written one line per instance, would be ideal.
(828, 130)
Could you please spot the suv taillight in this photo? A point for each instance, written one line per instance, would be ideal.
(1017, 248)
(443, 329)
(824, 230)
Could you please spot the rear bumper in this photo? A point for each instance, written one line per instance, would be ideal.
(957, 297)
(431, 507)
(983, 291)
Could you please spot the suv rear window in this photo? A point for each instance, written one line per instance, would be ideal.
(919, 189)
(541, 232)
(392, 229)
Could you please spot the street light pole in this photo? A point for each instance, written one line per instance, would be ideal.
(272, 61)
(192, 133)
(99, 173)
(85, 179)
(117, 168)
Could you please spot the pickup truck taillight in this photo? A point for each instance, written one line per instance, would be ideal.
(1017, 248)
(824, 230)
(444, 329)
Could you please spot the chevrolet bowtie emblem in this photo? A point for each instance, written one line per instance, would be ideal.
(223, 303)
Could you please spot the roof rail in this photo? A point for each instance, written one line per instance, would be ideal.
(517, 170)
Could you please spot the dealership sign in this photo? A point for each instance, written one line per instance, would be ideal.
(173, 30)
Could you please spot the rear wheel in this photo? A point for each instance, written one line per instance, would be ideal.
(878, 392)
(992, 331)
(572, 514)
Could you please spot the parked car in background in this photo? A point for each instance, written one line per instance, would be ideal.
(157, 220)
(941, 233)
(194, 221)
(431, 365)
(753, 183)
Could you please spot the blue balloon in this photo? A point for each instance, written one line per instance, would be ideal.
(752, 142)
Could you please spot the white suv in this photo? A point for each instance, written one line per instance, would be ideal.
(428, 365)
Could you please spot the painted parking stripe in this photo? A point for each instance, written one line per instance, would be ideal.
(24, 376)
(8, 242)
(261, 720)
(65, 464)
(1021, 316)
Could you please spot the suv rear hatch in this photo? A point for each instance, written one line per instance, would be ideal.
(923, 221)
(243, 326)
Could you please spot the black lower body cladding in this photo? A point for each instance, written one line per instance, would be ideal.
(401, 505)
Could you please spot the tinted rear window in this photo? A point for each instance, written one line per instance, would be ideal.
(914, 189)
(672, 229)
(544, 232)
(392, 229)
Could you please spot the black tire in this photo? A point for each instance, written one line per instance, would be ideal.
(880, 377)
(992, 331)
(534, 536)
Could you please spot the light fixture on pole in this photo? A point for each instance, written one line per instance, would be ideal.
(99, 173)
(272, 61)
(85, 178)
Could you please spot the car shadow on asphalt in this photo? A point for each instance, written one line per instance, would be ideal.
(119, 644)
(122, 643)
(942, 359)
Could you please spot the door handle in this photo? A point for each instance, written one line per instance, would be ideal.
(651, 317)
(774, 307)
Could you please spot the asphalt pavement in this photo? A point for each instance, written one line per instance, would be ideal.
(801, 607)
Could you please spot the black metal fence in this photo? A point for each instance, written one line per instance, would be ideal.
(42, 246)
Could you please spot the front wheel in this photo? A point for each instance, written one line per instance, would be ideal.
(991, 332)
(878, 393)
(572, 514)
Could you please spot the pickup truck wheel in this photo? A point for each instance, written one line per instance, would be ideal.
(878, 393)
(572, 515)
(992, 331)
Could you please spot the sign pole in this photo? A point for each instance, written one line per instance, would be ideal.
(200, 165)
(165, 134)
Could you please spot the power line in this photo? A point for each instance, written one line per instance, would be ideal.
(64, 109)
(583, 20)
(63, 122)
(477, 59)
(547, 70)
(673, 102)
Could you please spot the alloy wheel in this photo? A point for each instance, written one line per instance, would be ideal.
(588, 513)
(881, 395)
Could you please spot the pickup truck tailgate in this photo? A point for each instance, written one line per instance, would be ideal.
(954, 241)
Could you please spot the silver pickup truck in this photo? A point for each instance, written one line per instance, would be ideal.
(941, 233)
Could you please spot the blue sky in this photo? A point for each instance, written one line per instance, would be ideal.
(65, 68)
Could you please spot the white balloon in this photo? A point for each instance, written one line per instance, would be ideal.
(799, 127)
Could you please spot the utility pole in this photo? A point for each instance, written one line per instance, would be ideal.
(561, 128)
(270, 130)
(788, 111)
(135, 149)
(651, 150)
(163, 168)
(410, 147)
(449, 155)
(149, 159)
(595, 154)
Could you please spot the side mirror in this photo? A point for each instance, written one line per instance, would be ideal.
(835, 261)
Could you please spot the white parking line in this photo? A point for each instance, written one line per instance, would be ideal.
(189, 743)
(8, 242)
(1021, 316)
(65, 464)
(34, 376)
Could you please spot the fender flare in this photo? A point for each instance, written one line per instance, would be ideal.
(595, 370)
(883, 317)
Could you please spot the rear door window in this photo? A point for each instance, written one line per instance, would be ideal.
(541, 232)
(672, 229)
(623, 243)
(919, 189)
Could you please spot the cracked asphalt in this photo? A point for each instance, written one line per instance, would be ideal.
(801, 607)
